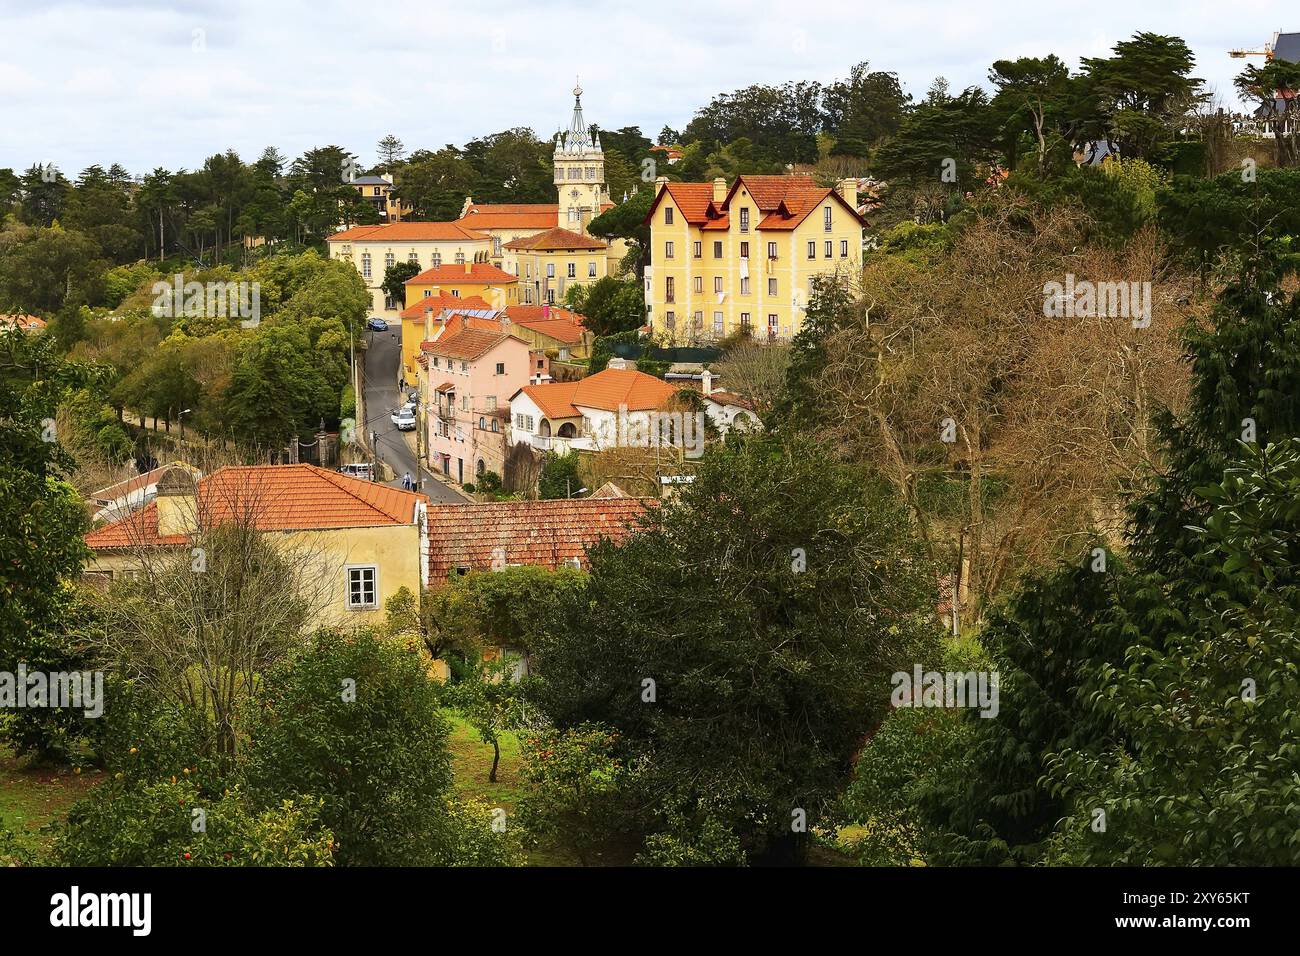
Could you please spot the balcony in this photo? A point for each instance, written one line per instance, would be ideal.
(558, 444)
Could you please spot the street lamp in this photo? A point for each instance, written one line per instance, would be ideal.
(180, 420)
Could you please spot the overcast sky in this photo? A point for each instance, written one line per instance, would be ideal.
(147, 83)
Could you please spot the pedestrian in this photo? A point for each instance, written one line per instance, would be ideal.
(406, 481)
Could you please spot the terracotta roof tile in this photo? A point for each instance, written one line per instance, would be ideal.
(511, 216)
(541, 533)
(479, 273)
(467, 344)
(445, 300)
(550, 320)
(607, 390)
(278, 498)
(557, 238)
(410, 232)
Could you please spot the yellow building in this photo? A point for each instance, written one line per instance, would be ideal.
(426, 317)
(378, 191)
(363, 541)
(724, 258)
(430, 245)
(551, 262)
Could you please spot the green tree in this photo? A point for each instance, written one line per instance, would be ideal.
(741, 652)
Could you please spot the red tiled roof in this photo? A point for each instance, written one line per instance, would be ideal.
(467, 343)
(607, 390)
(511, 216)
(445, 300)
(541, 533)
(277, 498)
(549, 320)
(557, 238)
(409, 232)
(478, 273)
(27, 323)
(123, 488)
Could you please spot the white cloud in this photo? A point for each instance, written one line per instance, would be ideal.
(121, 80)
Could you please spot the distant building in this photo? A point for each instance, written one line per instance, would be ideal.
(21, 323)
(745, 256)
(378, 192)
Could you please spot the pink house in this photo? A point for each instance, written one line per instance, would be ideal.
(472, 372)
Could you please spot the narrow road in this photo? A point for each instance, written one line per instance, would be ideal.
(381, 400)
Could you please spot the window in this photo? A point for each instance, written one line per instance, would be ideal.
(365, 265)
(435, 361)
(697, 320)
(496, 245)
(670, 320)
(390, 260)
(826, 218)
(697, 250)
(773, 323)
(717, 324)
(771, 250)
(744, 285)
(744, 321)
(464, 403)
(464, 366)
(717, 284)
(436, 259)
(669, 290)
(491, 403)
(717, 250)
(668, 250)
(591, 269)
(362, 592)
(668, 215)
(844, 248)
(550, 270)
(771, 287)
(830, 244)
(573, 270)
(697, 284)
(501, 368)
(482, 423)
(460, 258)
(744, 250)
(414, 257)
(744, 219)
(812, 248)
(494, 425)
(591, 172)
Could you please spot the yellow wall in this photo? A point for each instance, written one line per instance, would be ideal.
(792, 270)
(530, 265)
(393, 549)
(422, 252)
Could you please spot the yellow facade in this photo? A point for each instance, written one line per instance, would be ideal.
(393, 550)
(707, 282)
(371, 258)
(545, 275)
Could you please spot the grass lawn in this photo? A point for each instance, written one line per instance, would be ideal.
(32, 797)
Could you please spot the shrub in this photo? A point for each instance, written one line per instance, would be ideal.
(489, 482)
(353, 720)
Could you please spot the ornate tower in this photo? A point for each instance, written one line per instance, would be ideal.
(579, 171)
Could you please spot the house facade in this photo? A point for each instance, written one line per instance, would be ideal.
(378, 192)
(364, 540)
(589, 414)
(551, 262)
(372, 249)
(745, 256)
(467, 379)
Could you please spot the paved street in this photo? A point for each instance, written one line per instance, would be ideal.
(381, 398)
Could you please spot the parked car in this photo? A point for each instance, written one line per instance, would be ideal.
(376, 324)
(361, 469)
(404, 419)
(408, 408)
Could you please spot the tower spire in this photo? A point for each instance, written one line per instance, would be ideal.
(577, 126)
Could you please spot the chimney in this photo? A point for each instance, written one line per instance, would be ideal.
(428, 324)
(848, 189)
(177, 502)
(469, 267)
(719, 189)
(706, 383)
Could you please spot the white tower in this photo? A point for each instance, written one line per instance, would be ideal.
(579, 171)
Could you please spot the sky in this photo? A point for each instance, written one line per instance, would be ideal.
(146, 83)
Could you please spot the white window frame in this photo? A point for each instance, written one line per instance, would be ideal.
(348, 571)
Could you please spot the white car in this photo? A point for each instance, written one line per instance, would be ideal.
(404, 419)
(408, 408)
